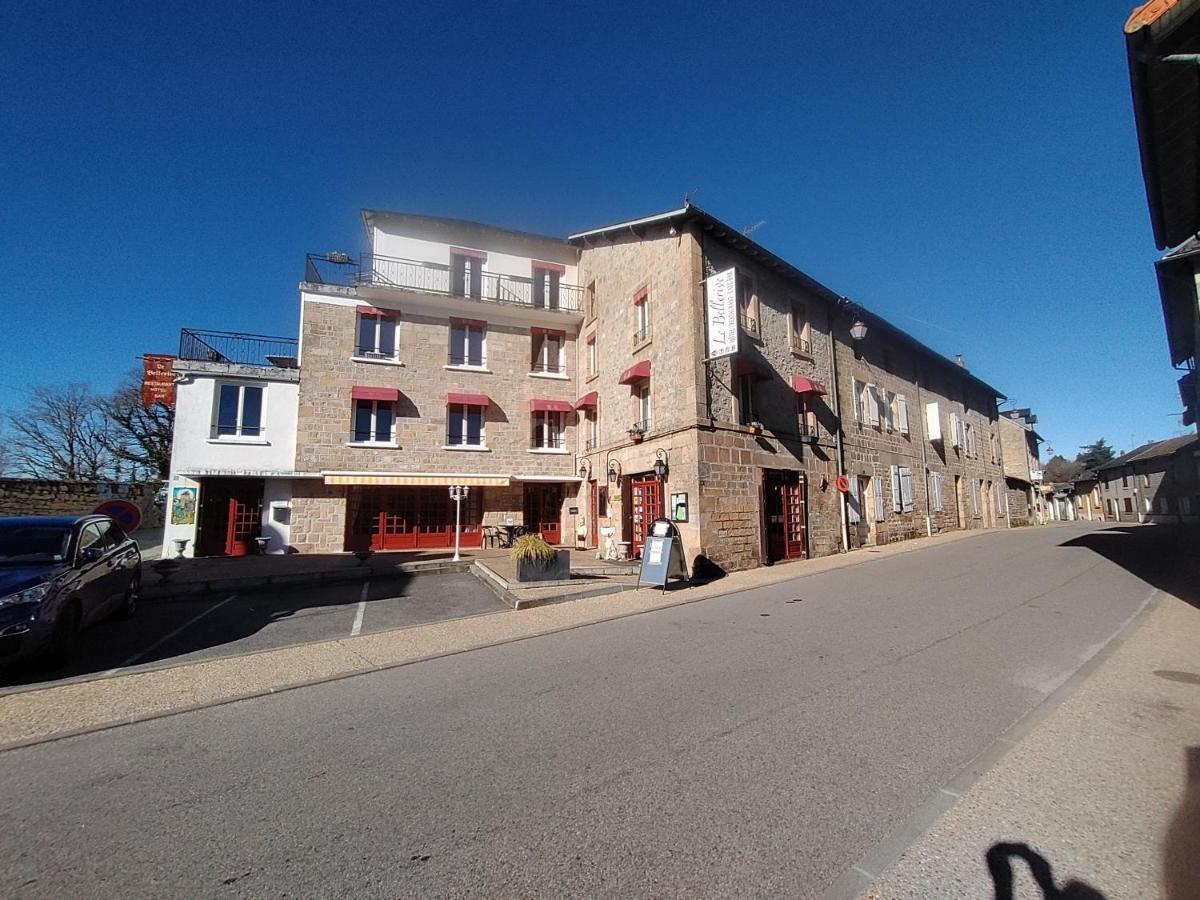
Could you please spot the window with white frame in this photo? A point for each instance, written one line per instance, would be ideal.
(801, 330)
(592, 429)
(889, 410)
(376, 336)
(549, 353)
(807, 415)
(746, 411)
(593, 361)
(641, 304)
(465, 425)
(857, 389)
(935, 489)
(468, 343)
(466, 272)
(374, 421)
(873, 404)
(548, 430)
(747, 301)
(645, 414)
(239, 412)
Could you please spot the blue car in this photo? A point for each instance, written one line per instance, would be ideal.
(58, 575)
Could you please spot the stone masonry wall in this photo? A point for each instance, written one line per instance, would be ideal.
(35, 497)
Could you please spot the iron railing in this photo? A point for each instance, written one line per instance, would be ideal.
(235, 347)
(803, 345)
(641, 335)
(552, 442)
(438, 278)
(749, 323)
(457, 359)
(541, 368)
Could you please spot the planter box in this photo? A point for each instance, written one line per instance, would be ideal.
(558, 570)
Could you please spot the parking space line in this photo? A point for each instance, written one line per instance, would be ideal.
(142, 654)
(362, 608)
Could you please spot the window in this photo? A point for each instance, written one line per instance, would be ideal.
(853, 514)
(747, 299)
(974, 498)
(468, 343)
(956, 430)
(992, 448)
(857, 390)
(548, 430)
(644, 412)
(1145, 480)
(641, 302)
(589, 300)
(592, 429)
(239, 411)
(902, 413)
(808, 416)
(546, 278)
(466, 272)
(1185, 506)
(801, 333)
(1124, 478)
(877, 490)
(745, 386)
(466, 428)
(374, 421)
(902, 496)
(873, 404)
(889, 410)
(933, 422)
(593, 361)
(376, 336)
(548, 353)
(1128, 502)
(936, 490)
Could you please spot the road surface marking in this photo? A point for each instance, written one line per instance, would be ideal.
(142, 654)
(362, 608)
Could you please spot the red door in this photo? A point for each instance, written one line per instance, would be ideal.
(783, 497)
(594, 518)
(543, 510)
(646, 506)
(396, 526)
(794, 533)
(242, 528)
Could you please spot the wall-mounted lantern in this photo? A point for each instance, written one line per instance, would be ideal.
(660, 463)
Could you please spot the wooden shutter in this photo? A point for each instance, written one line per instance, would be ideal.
(906, 491)
(880, 505)
(852, 507)
(896, 503)
(933, 422)
(937, 491)
(902, 413)
(873, 403)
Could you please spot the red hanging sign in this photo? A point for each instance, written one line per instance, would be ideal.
(158, 380)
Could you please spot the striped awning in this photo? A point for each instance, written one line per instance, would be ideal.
(415, 479)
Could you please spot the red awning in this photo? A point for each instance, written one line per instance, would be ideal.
(549, 266)
(376, 311)
(463, 251)
(552, 332)
(388, 395)
(469, 399)
(474, 323)
(586, 401)
(802, 385)
(640, 296)
(751, 368)
(550, 406)
(635, 373)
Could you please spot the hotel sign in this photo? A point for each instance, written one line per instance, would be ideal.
(158, 381)
(721, 304)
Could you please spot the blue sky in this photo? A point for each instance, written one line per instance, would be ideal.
(971, 173)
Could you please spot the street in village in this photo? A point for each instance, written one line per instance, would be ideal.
(790, 739)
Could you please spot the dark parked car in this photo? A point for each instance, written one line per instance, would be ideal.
(59, 574)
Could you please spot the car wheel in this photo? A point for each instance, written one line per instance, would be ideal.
(129, 604)
(62, 640)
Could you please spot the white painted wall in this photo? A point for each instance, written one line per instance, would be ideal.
(195, 448)
(420, 250)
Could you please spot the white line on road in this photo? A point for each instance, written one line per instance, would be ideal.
(362, 608)
(142, 654)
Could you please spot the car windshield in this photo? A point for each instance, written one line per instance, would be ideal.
(21, 544)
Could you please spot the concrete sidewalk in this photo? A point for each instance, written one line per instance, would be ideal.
(1103, 780)
(37, 715)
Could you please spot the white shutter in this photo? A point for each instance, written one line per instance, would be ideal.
(974, 497)
(902, 413)
(937, 491)
(852, 513)
(857, 389)
(954, 442)
(896, 502)
(880, 505)
(873, 403)
(933, 422)
(889, 411)
(906, 491)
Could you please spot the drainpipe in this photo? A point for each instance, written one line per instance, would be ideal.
(837, 434)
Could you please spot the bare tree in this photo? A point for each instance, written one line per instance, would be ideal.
(60, 433)
(139, 435)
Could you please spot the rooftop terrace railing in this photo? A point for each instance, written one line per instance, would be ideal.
(237, 348)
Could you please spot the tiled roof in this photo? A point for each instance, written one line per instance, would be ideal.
(1153, 450)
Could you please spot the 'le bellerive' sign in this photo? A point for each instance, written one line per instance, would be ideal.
(721, 301)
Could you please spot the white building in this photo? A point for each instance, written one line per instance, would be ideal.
(234, 448)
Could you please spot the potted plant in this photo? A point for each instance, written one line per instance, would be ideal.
(538, 561)
(636, 432)
(756, 427)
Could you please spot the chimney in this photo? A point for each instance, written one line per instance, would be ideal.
(959, 359)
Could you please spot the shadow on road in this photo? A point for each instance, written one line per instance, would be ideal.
(1164, 556)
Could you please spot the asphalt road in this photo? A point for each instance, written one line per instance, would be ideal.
(754, 744)
(189, 629)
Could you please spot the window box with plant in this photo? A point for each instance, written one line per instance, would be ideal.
(637, 432)
(755, 426)
(538, 561)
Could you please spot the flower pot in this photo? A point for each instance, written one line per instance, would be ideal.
(636, 436)
(756, 431)
(557, 570)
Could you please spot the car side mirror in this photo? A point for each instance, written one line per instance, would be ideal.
(89, 555)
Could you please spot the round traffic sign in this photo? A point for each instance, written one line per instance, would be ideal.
(842, 483)
(124, 513)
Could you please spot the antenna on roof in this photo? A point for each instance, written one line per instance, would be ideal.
(750, 229)
(687, 198)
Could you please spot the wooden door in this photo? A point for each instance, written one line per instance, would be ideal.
(396, 525)
(784, 515)
(645, 507)
(242, 526)
(435, 525)
(793, 500)
(594, 516)
(543, 510)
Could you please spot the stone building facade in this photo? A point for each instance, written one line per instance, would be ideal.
(1156, 482)
(1022, 466)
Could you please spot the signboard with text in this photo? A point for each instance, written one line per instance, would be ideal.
(662, 556)
(158, 380)
(721, 304)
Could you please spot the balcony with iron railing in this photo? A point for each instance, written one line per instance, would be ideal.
(641, 335)
(236, 348)
(543, 368)
(372, 270)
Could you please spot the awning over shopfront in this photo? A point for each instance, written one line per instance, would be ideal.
(587, 401)
(563, 406)
(387, 395)
(415, 479)
(636, 372)
(802, 385)
(469, 399)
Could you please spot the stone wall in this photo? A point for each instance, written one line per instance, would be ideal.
(31, 497)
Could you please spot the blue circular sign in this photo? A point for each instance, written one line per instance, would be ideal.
(124, 513)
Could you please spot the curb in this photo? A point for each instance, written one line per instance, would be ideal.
(165, 589)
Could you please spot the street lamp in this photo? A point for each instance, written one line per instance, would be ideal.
(583, 470)
(858, 331)
(660, 463)
(457, 492)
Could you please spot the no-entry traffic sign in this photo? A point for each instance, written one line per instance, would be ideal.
(124, 513)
